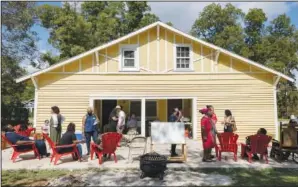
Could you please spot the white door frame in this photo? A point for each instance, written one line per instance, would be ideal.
(112, 96)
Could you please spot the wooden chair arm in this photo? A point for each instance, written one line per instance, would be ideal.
(65, 146)
(23, 144)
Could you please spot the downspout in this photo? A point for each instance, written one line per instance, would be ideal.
(35, 100)
(275, 106)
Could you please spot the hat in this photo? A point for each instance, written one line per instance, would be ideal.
(118, 107)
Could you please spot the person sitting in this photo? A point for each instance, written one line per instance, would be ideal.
(290, 133)
(69, 138)
(20, 140)
(260, 131)
(132, 122)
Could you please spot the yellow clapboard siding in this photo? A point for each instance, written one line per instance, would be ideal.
(249, 99)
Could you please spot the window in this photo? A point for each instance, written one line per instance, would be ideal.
(151, 109)
(135, 108)
(129, 58)
(183, 57)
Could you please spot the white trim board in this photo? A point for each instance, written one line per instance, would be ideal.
(145, 29)
(113, 96)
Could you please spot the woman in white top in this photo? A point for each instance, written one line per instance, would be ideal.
(56, 124)
(121, 121)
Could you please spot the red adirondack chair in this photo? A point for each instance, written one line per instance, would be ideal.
(56, 154)
(17, 128)
(227, 143)
(109, 143)
(258, 145)
(17, 152)
(26, 132)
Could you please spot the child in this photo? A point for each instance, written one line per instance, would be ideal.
(45, 128)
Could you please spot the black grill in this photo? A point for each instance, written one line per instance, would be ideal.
(153, 164)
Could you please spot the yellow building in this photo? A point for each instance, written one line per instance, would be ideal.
(153, 70)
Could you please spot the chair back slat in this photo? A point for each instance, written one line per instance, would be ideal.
(227, 140)
(259, 143)
(110, 142)
(50, 141)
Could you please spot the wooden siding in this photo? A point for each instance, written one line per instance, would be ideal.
(158, 56)
(249, 99)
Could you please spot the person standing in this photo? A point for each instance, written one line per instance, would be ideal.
(90, 127)
(113, 119)
(173, 118)
(121, 121)
(56, 124)
(207, 135)
(229, 122)
(214, 121)
(178, 114)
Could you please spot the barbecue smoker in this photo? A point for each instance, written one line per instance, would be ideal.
(153, 165)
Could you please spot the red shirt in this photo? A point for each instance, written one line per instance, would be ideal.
(214, 118)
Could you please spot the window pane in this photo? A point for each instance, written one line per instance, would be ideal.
(135, 108)
(129, 54)
(129, 63)
(151, 109)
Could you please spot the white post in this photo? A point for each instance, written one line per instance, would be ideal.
(35, 100)
(143, 116)
(275, 106)
(194, 119)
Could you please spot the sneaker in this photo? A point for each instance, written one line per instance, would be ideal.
(88, 154)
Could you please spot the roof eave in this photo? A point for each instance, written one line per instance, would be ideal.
(142, 30)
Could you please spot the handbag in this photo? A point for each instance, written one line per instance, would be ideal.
(58, 128)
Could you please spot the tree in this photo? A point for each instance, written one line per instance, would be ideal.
(18, 44)
(275, 46)
(282, 56)
(254, 22)
(221, 27)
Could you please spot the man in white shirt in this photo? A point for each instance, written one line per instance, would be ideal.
(121, 121)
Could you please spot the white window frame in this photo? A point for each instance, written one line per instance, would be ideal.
(123, 48)
(190, 57)
(150, 100)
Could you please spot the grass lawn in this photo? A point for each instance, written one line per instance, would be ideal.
(262, 177)
(240, 176)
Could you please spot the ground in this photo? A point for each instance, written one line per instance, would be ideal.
(173, 177)
(192, 172)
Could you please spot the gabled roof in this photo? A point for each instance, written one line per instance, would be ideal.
(147, 28)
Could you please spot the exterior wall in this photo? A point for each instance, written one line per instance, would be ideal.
(249, 97)
(156, 54)
(226, 83)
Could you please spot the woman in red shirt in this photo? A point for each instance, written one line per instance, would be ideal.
(207, 135)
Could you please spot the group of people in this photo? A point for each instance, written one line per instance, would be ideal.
(209, 130)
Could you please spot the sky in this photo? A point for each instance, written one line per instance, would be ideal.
(183, 15)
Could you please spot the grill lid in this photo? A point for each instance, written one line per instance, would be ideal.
(153, 156)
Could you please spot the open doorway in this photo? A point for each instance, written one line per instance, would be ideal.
(107, 106)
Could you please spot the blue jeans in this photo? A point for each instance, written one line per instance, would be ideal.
(39, 144)
(79, 147)
(88, 136)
